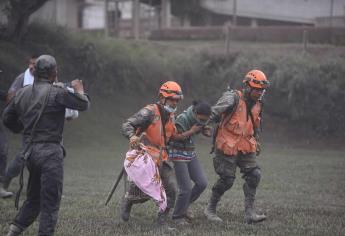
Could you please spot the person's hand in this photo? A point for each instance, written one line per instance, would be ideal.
(258, 148)
(207, 131)
(134, 141)
(195, 128)
(77, 85)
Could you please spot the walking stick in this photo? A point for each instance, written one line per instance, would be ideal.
(115, 185)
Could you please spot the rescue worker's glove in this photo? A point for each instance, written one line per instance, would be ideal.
(134, 142)
(258, 148)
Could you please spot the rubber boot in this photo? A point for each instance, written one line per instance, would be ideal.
(14, 230)
(250, 216)
(6, 182)
(126, 207)
(162, 221)
(210, 211)
(4, 193)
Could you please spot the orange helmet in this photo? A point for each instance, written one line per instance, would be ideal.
(256, 79)
(171, 89)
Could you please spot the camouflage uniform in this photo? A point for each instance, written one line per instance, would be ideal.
(225, 166)
(141, 120)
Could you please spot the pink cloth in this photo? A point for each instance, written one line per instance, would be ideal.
(142, 170)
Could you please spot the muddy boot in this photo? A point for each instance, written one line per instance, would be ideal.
(4, 193)
(14, 230)
(126, 206)
(162, 222)
(250, 216)
(210, 211)
(181, 222)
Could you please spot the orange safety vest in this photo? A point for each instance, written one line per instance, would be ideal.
(155, 136)
(236, 132)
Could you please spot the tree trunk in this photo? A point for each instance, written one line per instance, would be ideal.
(17, 25)
(19, 12)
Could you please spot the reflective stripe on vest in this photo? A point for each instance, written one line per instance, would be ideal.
(237, 134)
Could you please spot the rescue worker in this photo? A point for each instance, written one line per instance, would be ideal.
(237, 144)
(39, 111)
(157, 121)
(186, 164)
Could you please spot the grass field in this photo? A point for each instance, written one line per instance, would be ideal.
(302, 191)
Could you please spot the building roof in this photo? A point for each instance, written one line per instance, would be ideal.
(299, 11)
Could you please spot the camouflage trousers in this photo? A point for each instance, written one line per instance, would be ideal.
(225, 166)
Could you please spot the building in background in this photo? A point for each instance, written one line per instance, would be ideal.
(273, 12)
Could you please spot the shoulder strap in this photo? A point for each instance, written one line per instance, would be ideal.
(228, 115)
(253, 122)
(163, 125)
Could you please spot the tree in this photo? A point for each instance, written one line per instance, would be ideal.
(18, 13)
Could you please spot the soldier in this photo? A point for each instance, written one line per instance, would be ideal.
(157, 121)
(39, 111)
(22, 80)
(236, 143)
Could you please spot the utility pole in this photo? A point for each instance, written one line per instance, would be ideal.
(135, 18)
(106, 23)
(117, 18)
(234, 13)
(331, 14)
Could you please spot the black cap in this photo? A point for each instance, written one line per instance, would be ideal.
(45, 66)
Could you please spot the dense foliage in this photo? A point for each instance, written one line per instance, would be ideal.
(304, 90)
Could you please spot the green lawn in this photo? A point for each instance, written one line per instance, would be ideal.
(302, 192)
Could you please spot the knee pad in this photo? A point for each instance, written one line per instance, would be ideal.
(253, 178)
(224, 184)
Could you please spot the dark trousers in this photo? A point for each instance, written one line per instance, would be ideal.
(44, 190)
(3, 151)
(185, 173)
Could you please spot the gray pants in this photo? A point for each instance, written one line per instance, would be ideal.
(3, 151)
(185, 173)
(44, 190)
(13, 168)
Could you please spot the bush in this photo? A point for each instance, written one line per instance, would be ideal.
(304, 90)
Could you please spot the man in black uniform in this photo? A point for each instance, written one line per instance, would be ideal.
(39, 111)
